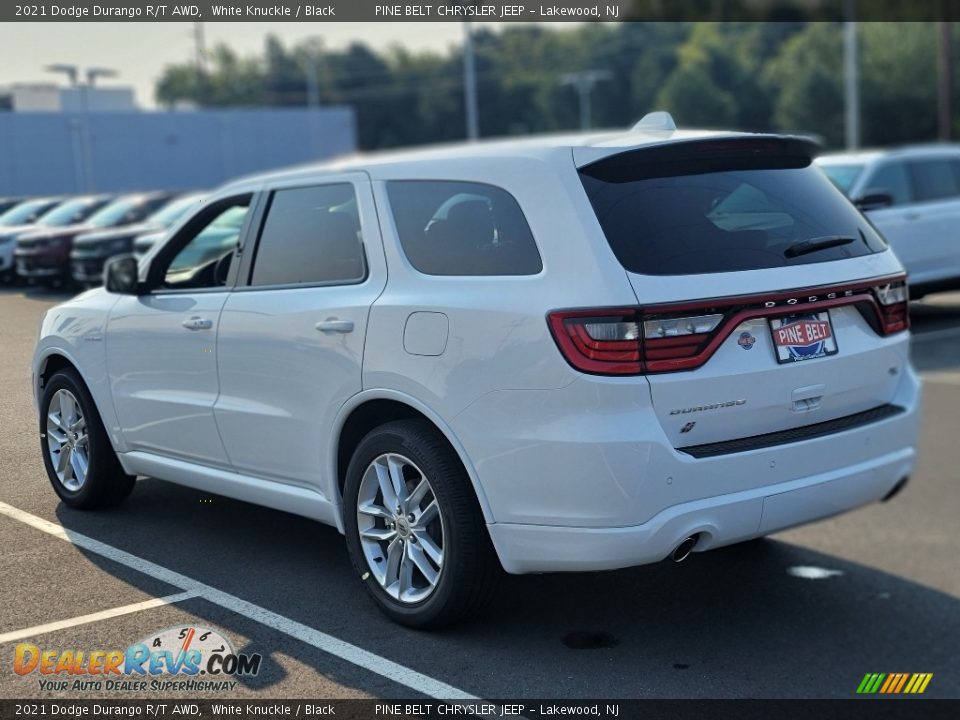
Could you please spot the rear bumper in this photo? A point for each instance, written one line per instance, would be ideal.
(718, 521)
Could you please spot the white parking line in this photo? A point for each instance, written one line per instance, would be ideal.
(365, 659)
(95, 617)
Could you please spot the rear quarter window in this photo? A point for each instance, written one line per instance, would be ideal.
(699, 213)
(462, 228)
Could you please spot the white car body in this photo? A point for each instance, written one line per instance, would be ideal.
(238, 390)
(923, 223)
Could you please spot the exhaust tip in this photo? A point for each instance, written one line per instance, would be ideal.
(683, 550)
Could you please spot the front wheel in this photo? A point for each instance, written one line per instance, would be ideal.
(77, 454)
(414, 528)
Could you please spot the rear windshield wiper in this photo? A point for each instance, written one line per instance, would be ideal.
(816, 244)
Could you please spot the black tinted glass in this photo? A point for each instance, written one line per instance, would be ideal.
(723, 213)
(933, 180)
(462, 228)
(310, 235)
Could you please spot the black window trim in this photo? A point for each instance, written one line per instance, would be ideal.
(402, 253)
(247, 265)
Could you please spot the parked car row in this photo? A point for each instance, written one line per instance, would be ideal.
(912, 196)
(62, 240)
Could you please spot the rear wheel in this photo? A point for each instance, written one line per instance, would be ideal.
(77, 454)
(414, 529)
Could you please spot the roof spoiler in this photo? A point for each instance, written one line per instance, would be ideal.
(715, 147)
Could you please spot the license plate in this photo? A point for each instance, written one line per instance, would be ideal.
(803, 337)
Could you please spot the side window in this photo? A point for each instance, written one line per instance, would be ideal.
(204, 261)
(462, 228)
(892, 178)
(310, 235)
(933, 180)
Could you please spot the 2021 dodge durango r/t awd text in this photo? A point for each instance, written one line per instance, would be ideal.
(567, 354)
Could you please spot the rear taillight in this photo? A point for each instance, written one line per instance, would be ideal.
(893, 300)
(632, 341)
(602, 342)
(627, 342)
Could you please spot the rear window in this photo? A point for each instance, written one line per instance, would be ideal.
(688, 211)
(462, 228)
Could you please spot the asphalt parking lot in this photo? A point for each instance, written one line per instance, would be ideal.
(804, 614)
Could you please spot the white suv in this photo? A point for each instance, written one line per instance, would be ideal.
(560, 354)
(912, 195)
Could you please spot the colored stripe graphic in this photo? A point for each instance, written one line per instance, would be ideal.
(894, 683)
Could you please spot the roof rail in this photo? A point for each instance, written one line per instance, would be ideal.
(659, 121)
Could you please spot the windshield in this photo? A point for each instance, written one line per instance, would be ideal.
(171, 212)
(26, 212)
(676, 219)
(843, 176)
(119, 212)
(72, 211)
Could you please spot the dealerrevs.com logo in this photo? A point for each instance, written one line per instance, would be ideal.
(192, 659)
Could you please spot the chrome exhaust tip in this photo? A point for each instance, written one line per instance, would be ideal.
(683, 550)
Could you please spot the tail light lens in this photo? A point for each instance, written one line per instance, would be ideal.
(632, 341)
(625, 342)
(893, 299)
(603, 342)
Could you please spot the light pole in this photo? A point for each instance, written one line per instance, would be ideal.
(314, 53)
(584, 82)
(84, 173)
(470, 83)
(851, 79)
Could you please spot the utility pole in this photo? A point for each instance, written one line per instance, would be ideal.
(944, 75)
(583, 82)
(470, 84)
(851, 79)
(314, 51)
(200, 57)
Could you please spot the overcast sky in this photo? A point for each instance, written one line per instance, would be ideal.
(139, 51)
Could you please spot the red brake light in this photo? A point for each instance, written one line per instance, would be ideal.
(601, 342)
(893, 300)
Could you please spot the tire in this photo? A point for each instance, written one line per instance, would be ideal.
(104, 483)
(469, 570)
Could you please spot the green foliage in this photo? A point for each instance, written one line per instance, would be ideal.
(783, 76)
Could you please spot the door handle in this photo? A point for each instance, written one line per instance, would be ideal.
(334, 325)
(197, 323)
(912, 216)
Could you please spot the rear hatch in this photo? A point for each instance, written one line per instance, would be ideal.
(766, 300)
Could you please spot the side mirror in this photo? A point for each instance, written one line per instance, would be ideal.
(874, 200)
(120, 275)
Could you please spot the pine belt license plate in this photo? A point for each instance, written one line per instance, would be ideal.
(803, 337)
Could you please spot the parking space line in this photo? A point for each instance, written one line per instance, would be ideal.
(423, 684)
(95, 617)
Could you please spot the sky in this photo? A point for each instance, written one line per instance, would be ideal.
(139, 51)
